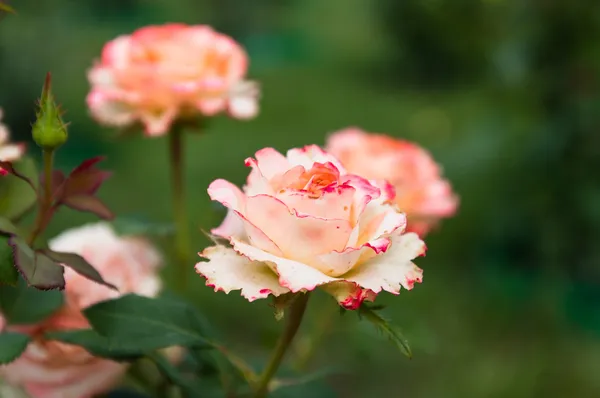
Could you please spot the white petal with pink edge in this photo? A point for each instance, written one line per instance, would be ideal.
(393, 269)
(294, 275)
(226, 270)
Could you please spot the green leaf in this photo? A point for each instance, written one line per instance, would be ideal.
(128, 226)
(12, 345)
(386, 328)
(79, 265)
(190, 388)
(38, 270)
(16, 194)
(147, 324)
(7, 227)
(8, 273)
(97, 344)
(24, 305)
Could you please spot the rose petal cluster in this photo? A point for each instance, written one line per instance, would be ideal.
(51, 369)
(159, 74)
(421, 191)
(8, 152)
(303, 222)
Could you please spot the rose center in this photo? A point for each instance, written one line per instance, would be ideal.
(317, 179)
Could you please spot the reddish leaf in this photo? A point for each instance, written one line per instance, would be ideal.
(37, 269)
(90, 204)
(85, 179)
(8, 168)
(79, 265)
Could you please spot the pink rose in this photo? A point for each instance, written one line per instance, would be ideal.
(8, 152)
(303, 222)
(161, 73)
(421, 192)
(50, 369)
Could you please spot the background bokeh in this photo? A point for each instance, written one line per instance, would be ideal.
(504, 93)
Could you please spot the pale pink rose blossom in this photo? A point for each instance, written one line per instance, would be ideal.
(303, 222)
(8, 152)
(161, 73)
(421, 191)
(51, 369)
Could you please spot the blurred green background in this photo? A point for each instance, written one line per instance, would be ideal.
(504, 93)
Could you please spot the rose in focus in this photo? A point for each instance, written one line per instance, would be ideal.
(421, 192)
(159, 74)
(8, 152)
(303, 222)
(51, 369)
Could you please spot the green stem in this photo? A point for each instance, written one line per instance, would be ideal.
(48, 167)
(41, 220)
(179, 207)
(294, 319)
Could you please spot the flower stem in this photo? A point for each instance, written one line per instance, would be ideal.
(294, 318)
(41, 220)
(48, 167)
(179, 206)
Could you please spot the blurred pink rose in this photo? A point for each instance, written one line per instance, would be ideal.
(302, 222)
(161, 73)
(421, 192)
(8, 152)
(50, 369)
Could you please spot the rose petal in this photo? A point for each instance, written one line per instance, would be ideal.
(116, 52)
(227, 194)
(236, 224)
(109, 111)
(4, 134)
(336, 204)
(256, 182)
(226, 270)
(9, 153)
(293, 275)
(100, 376)
(393, 269)
(270, 162)
(158, 123)
(311, 154)
(212, 106)
(348, 294)
(338, 263)
(243, 99)
(232, 225)
(380, 221)
(299, 237)
(101, 77)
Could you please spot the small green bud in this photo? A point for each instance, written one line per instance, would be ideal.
(49, 131)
